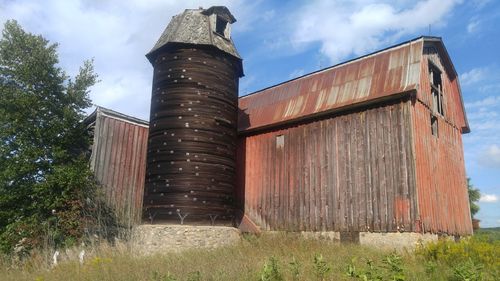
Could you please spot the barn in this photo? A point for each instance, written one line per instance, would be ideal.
(370, 145)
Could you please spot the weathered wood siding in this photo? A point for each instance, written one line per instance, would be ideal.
(352, 172)
(119, 163)
(441, 178)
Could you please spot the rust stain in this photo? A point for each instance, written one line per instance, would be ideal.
(384, 74)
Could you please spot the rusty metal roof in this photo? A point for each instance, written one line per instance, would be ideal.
(382, 75)
(197, 26)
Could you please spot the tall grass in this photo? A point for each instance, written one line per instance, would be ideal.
(268, 257)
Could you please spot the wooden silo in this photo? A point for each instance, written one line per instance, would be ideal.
(191, 165)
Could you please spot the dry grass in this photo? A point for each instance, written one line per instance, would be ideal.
(245, 261)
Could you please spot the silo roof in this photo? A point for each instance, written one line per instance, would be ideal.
(193, 27)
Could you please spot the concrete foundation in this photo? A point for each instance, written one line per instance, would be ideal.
(150, 239)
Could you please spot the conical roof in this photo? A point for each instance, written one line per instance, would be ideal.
(197, 26)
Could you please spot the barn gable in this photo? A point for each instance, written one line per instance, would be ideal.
(436, 56)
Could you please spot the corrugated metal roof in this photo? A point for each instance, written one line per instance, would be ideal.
(372, 78)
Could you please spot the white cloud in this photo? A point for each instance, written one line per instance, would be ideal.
(479, 4)
(357, 27)
(473, 26)
(486, 102)
(490, 157)
(117, 34)
(488, 198)
(473, 76)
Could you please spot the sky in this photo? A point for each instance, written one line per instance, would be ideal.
(280, 40)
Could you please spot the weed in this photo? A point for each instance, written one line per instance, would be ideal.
(321, 267)
(295, 269)
(162, 277)
(468, 271)
(194, 276)
(271, 271)
(395, 266)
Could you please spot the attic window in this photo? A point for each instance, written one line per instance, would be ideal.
(436, 89)
(220, 26)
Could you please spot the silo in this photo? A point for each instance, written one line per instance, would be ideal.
(191, 173)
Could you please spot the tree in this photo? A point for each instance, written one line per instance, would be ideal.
(44, 173)
(474, 196)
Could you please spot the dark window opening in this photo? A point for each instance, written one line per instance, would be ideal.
(436, 89)
(220, 26)
(434, 125)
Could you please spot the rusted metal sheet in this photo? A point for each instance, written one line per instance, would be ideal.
(440, 170)
(364, 80)
(192, 138)
(350, 172)
(118, 160)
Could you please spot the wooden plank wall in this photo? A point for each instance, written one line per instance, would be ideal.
(352, 172)
(441, 177)
(441, 180)
(119, 163)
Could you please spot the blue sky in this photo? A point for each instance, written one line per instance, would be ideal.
(280, 40)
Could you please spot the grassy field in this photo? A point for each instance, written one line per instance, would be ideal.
(279, 257)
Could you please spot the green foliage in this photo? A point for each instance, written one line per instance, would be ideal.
(271, 271)
(321, 267)
(467, 271)
(395, 266)
(474, 258)
(391, 268)
(474, 196)
(44, 175)
(295, 268)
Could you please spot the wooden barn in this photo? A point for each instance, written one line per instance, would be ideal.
(118, 159)
(370, 145)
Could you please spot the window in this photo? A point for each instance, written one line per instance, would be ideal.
(280, 141)
(434, 125)
(220, 26)
(436, 89)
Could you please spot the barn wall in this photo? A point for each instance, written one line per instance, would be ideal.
(119, 162)
(346, 173)
(441, 178)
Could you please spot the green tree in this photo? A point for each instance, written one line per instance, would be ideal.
(474, 196)
(44, 173)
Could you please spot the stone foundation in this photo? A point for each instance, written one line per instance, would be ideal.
(162, 238)
(388, 240)
(395, 240)
(150, 239)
